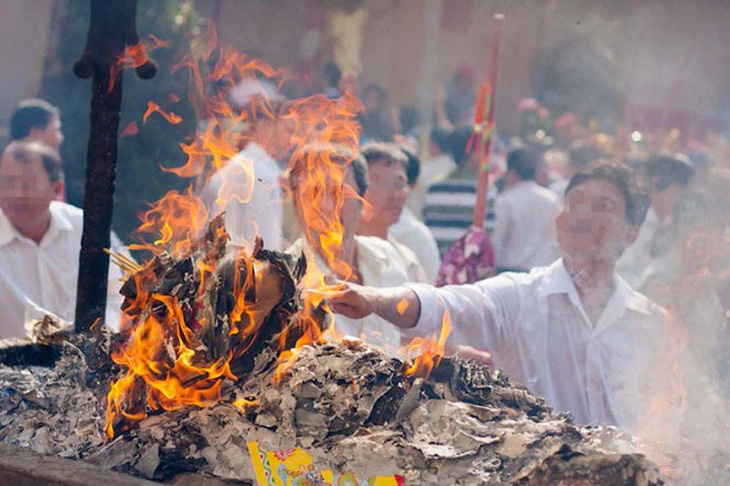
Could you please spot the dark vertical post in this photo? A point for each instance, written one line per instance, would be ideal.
(112, 28)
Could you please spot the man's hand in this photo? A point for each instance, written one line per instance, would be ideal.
(353, 301)
(397, 305)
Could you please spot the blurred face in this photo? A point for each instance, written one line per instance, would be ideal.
(25, 190)
(593, 222)
(275, 137)
(387, 192)
(664, 200)
(351, 209)
(350, 212)
(51, 135)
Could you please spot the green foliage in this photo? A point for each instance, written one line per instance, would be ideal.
(139, 178)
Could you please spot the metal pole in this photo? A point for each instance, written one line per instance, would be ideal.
(112, 28)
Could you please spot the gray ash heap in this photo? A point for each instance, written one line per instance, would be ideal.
(224, 350)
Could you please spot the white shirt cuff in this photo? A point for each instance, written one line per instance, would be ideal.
(432, 311)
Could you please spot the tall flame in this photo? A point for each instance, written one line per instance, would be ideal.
(326, 137)
(163, 357)
(166, 354)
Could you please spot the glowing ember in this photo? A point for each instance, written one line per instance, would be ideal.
(245, 405)
(130, 130)
(402, 307)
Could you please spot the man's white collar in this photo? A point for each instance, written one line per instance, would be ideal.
(557, 280)
(59, 223)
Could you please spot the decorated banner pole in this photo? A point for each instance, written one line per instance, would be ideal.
(486, 97)
(471, 257)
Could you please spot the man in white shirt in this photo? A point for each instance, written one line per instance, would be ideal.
(386, 197)
(438, 165)
(669, 177)
(581, 154)
(367, 260)
(524, 232)
(40, 240)
(574, 332)
(410, 231)
(247, 187)
(37, 121)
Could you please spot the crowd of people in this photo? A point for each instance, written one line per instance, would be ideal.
(589, 252)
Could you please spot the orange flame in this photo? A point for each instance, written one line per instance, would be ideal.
(224, 133)
(153, 107)
(164, 368)
(165, 362)
(177, 218)
(325, 137)
(325, 133)
(244, 405)
(431, 351)
(160, 351)
(134, 57)
(238, 183)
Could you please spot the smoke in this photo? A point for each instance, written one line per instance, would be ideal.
(687, 428)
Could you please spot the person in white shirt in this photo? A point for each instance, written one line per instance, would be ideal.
(364, 259)
(36, 120)
(412, 232)
(574, 332)
(386, 197)
(248, 186)
(40, 240)
(436, 168)
(581, 154)
(669, 177)
(524, 232)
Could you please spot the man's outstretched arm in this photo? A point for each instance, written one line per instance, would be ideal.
(398, 305)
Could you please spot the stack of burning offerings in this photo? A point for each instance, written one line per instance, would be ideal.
(229, 365)
(220, 372)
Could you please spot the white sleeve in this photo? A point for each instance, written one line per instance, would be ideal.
(413, 266)
(501, 229)
(483, 315)
(208, 195)
(260, 215)
(114, 299)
